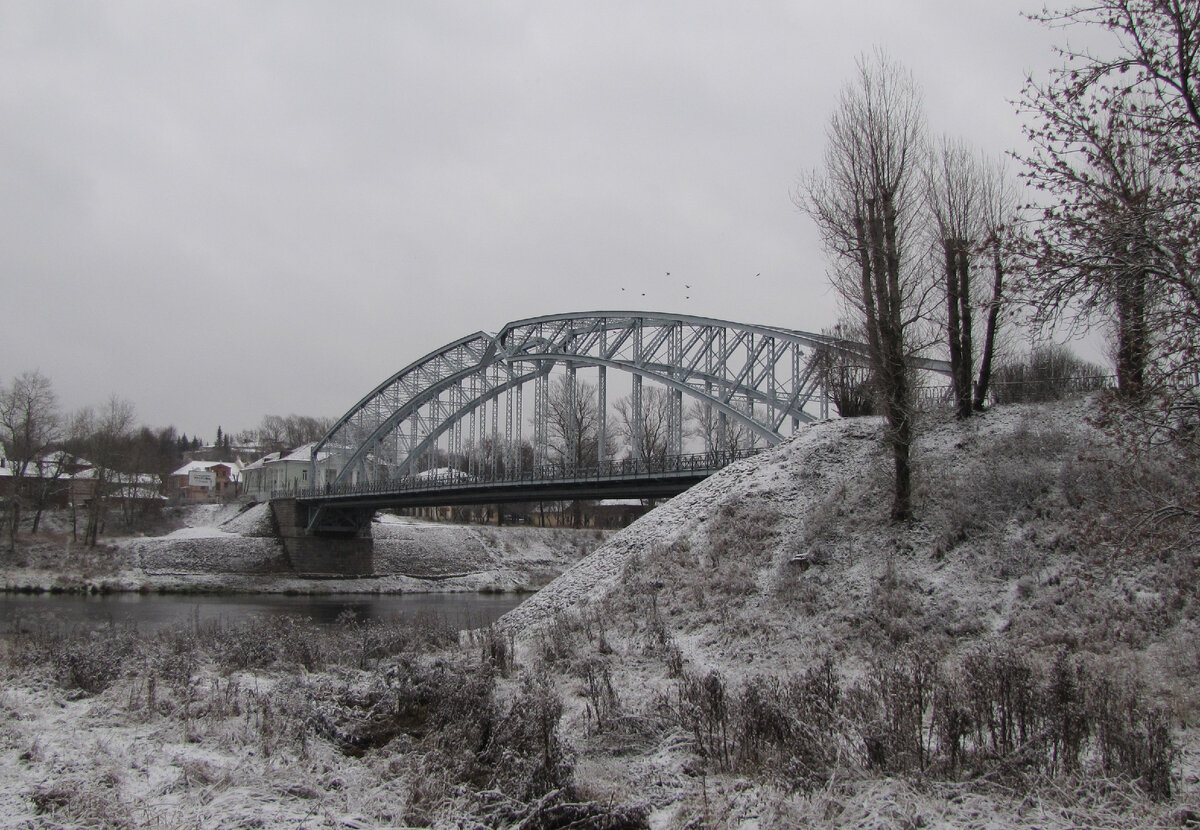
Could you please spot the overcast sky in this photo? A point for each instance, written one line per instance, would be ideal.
(220, 210)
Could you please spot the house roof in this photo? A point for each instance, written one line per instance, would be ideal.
(305, 453)
(48, 466)
(300, 454)
(119, 479)
(235, 468)
(262, 462)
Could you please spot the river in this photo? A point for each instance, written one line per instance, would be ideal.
(154, 611)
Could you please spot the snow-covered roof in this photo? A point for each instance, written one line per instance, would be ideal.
(48, 466)
(64, 457)
(235, 468)
(262, 462)
(305, 453)
(301, 455)
(142, 479)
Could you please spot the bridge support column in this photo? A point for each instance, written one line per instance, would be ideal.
(602, 414)
(340, 550)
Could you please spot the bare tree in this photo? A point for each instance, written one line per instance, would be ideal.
(277, 433)
(1092, 244)
(574, 422)
(106, 437)
(649, 440)
(972, 204)
(1117, 159)
(952, 189)
(1000, 215)
(30, 425)
(705, 423)
(844, 371)
(867, 205)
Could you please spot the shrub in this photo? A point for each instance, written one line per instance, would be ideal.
(523, 755)
(1050, 373)
(91, 663)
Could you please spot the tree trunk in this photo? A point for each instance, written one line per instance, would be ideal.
(14, 516)
(989, 336)
(1132, 347)
(964, 302)
(953, 322)
(885, 262)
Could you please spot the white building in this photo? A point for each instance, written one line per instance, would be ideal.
(286, 471)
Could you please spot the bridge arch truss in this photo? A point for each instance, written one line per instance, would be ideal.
(478, 394)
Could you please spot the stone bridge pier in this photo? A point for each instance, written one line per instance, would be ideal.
(326, 553)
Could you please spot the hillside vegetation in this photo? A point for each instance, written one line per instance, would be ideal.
(1037, 623)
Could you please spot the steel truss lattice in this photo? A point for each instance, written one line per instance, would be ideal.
(763, 378)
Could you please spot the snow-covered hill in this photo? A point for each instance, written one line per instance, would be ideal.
(1030, 545)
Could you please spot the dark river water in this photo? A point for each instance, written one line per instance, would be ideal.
(153, 611)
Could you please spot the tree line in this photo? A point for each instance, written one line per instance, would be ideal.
(43, 446)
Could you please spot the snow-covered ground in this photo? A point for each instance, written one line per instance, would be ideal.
(1029, 541)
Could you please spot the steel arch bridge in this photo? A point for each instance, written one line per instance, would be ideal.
(471, 393)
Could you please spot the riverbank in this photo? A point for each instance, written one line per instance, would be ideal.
(232, 549)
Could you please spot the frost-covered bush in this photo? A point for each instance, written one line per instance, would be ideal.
(995, 711)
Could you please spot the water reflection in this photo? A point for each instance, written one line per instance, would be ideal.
(155, 611)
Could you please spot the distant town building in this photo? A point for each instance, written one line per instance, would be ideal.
(46, 479)
(141, 491)
(199, 481)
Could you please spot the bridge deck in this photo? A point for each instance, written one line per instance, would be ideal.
(617, 479)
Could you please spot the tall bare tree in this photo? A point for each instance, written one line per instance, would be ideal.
(106, 437)
(867, 203)
(972, 204)
(1001, 217)
(952, 188)
(1092, 244)
(30, 426)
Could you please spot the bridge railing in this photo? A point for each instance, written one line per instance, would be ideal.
(452, 479)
